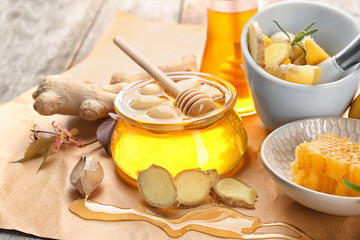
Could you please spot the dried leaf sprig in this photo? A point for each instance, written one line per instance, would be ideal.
(299, 37)
(43, 146)
(87, 175)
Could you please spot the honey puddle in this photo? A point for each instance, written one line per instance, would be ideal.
(215, 221)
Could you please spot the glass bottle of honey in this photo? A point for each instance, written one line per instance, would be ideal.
(222, 55)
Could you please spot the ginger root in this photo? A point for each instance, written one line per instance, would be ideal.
(57, 94)
(187, 63)
(156, 185)
(233, 192)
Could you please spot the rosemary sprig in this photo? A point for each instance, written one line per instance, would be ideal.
(351, 185)
(299, 37)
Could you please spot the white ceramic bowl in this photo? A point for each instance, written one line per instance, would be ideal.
(278, 152)
(277, 101)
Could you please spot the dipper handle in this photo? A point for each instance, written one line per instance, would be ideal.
(151, 69)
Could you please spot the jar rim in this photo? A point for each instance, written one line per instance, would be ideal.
(196, 122)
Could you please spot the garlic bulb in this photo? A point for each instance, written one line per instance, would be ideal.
(87, 175)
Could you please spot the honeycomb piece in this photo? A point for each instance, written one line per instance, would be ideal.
(322, 163)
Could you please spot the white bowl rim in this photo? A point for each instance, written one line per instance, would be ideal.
(286, 83)
(286, 181)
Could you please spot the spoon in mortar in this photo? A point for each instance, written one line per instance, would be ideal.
(333, 68)
(191, 102)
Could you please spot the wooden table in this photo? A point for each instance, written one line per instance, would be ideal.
(40, 37)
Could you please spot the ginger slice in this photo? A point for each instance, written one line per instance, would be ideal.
(193, 186)
(156, 185)
(276, 53)
(256, 43)
(275, 71)
(303, 74)
(235, 193)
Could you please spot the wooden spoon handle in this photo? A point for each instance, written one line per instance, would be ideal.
(158, 75)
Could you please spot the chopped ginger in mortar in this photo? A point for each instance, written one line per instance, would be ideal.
(287, 56)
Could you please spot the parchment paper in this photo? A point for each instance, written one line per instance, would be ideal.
(37, 203)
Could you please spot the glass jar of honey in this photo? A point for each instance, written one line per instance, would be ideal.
(150, 130)
(222, 55)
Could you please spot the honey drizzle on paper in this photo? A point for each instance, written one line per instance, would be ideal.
(215, 221)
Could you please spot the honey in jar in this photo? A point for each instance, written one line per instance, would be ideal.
(152, 131)
(222, 53)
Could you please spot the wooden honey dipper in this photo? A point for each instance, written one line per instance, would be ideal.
(191, 102)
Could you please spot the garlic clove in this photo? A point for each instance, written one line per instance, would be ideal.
(281, 37)
(145, 102)
(188, 83)
(151, 89)
(163, 112)
(75, 175)
(87, 175)
(211, 91)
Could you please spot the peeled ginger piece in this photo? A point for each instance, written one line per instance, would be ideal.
(303, 74)
(235, 193)
(268, 42)
(193, 186)
(156, 185)
(276, 53)
(314, 53)
(256, 43)
(275, 71)
(297, 52)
